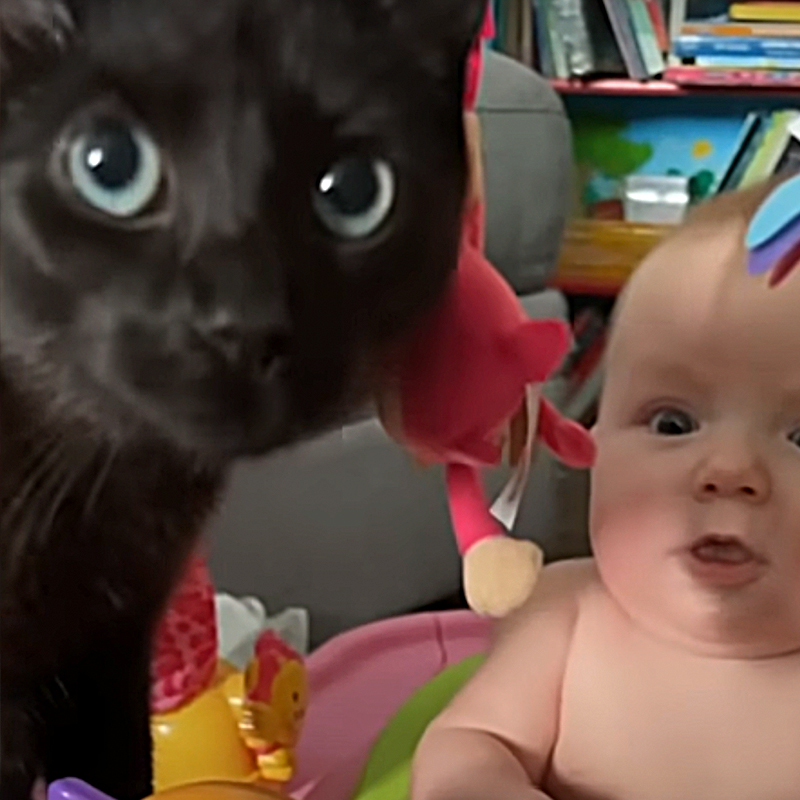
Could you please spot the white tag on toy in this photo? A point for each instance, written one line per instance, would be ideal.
(506, 507)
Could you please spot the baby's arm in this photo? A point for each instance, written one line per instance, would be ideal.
(495, 739)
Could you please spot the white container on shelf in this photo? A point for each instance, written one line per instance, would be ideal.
(656, 199)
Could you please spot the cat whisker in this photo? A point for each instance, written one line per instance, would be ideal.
(62, 492)
(61, 686)
(36, 470)
(52, 694)
(43, 497)
(47, 480)
(99, 482)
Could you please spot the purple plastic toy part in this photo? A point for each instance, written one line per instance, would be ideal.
(764, 258)
(73, 789)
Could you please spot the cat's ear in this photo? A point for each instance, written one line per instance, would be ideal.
(450, 26)
(31, 31)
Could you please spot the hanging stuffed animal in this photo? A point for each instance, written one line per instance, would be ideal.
(466, 387)
(469, 384)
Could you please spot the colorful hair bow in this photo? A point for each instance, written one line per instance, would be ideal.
(774, 235)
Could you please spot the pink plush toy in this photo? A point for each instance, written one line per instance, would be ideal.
(475, 367)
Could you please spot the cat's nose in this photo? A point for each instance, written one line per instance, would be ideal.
(260, 350)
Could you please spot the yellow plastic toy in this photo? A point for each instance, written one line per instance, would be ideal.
(210, 721)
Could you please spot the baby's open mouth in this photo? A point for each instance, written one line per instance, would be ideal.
(719, 560)
(722, 550)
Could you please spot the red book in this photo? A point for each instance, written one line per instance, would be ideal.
(659, 24)
(753, 78)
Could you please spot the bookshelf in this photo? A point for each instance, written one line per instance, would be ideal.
(640, 107)
(639, 75)
(627, 123)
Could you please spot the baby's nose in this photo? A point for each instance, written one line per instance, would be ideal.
(729, 475)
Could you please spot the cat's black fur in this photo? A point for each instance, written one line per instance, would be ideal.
(141, 354)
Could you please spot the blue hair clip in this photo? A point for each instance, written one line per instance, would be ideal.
(774, 235)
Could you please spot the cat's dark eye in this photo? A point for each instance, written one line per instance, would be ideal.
(794, 437)
(114, 166)
(672, 422)
(355, 196)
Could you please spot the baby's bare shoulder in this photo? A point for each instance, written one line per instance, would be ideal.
(562, 589)
(571, 576)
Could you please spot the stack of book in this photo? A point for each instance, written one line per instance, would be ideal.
(702, 42)
(769, 144)
(597, 38)
(756, 43)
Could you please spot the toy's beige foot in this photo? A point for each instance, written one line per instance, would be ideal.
(500, 573)
(277, 766)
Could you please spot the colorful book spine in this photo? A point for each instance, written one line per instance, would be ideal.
(606, 53)
(693, 46)
(656, 12)
(741, 29)
(769, 154)
(646, 37)
(622, 25)
(790, 160)
(572, 29)
(558, 51)
(544, 50)
(677, 17)
(747, 62)
(777, 12)
(750, 138)
(788, 80)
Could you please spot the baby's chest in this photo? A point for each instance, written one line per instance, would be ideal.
(635, 728)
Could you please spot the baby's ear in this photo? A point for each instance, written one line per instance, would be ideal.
(449, 26)
(31, 32)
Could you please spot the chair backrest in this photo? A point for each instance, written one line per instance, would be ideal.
(527, 147)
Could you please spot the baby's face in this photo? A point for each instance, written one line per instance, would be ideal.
(696, 491)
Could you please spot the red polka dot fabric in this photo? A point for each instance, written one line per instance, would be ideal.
(186, 650)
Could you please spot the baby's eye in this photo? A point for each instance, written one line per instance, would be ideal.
(672, 422)
(794, 437)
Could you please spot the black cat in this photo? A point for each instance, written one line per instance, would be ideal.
(215, 215)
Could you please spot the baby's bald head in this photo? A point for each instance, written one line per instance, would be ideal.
(697, 278)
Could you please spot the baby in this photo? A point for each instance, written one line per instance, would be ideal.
(668, 666)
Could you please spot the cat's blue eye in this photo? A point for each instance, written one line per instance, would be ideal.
(115, 167)
(672, 422)
(355, 196)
